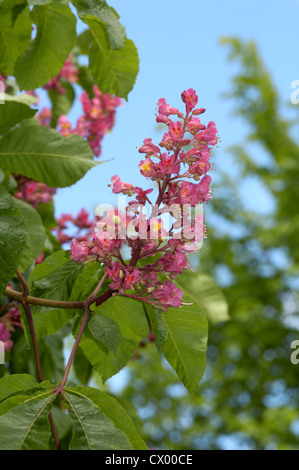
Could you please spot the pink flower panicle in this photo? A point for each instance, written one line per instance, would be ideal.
(33, 192)
(98, 116)
(179, 166)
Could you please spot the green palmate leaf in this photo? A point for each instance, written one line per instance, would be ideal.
(114, 71)
(12, 237)
(53, 279)
(24, 409)
(51, 350)
(99, 10)
(186, 344)
(43, 154)
(61, 102)
(46, 54)
(100, 422)
(158, 326)
(106, 331)
(82, 367)
(87, 280)
(12, 384)
(15, 35)
(35, 235)
(84, 41)
(85, 80)
(47, 215)
(25, 425)
(50, 264)
(208, 294)
(11, 113)
(110, 358)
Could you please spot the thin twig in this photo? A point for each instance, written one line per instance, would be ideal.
(92, 296)
(74, 349)
(29, 318)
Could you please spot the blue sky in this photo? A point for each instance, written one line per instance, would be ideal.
(179, 48)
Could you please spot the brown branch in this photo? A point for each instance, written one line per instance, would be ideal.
(13, 294)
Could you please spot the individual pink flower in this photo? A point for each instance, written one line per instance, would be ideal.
(106, 242)
(209, 135)
(168, 294)
(176, 131)
(165, 109)
(161, 119)
(199, 168)
(190, 98)
(132, 276)
(167, 141)
(194, 125)
(168, 165)
(147, 168)
(204, 187)
(121, 187)
(79, 251)
(198, 111)
(115, 274)
(188, 193)
(149, 148)
(141, 194)
(173, 262)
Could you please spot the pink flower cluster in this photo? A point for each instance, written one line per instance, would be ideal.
(68, 73)
(33, 192)
(98, 118)
(8, 323)
(179, 166)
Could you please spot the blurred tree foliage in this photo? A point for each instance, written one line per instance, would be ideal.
(249, 396)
